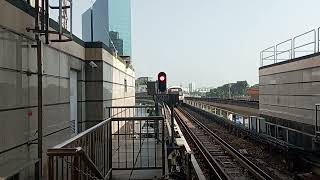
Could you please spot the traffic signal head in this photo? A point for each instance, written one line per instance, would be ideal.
(162, 82)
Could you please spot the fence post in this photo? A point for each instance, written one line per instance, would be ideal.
(76, 167)
(163, 150)
(110, 147)
(172, 125)
(50, 168)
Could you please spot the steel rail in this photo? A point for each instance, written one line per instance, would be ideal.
(210, 161)
(255, 170)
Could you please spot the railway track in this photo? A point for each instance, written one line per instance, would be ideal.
(222, 160)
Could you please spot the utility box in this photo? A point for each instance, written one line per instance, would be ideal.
(152, 88)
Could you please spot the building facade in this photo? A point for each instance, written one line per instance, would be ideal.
(120, 21)
(191, 87)
(141, 84)
(75, 93)
(288, 95)
(105, 17)
(116, 42)
(95, 23)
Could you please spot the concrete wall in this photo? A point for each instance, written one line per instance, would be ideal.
(290, 91)
(18, 89)
(110, 84)
(18, 99)
(288, 94)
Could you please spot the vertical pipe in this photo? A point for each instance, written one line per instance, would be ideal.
(39, 67)
(42, 15)
(71, 18)
(47, 21)
(60, 19)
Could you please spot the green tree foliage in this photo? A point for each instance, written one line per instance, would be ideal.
(236, 89)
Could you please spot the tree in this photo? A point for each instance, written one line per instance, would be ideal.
(236, 89)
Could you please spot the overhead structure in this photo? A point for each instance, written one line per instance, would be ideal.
(64, 8)
(42, 28)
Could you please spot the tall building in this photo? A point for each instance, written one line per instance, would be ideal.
(105, 18)
(120, 21)
(95, 23)
(116, 42)
(141, 84)
(191, 87)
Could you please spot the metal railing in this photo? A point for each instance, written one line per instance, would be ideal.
(244, 103)
(133, 133)
(300, 45)
(137, 137)
(87, 155)
(138, 143)
(130, 111)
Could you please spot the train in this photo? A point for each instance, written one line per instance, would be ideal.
(177, 90)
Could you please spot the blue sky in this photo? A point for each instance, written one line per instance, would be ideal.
(209, 42)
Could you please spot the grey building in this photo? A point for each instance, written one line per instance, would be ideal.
(141, 84)
(191, 87)
(87, 26)
(104, 19)
(75, 93)
(95, 23)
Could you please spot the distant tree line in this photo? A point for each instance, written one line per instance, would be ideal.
(236, 89)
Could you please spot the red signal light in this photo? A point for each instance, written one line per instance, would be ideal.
(162, 82)
(162, 78)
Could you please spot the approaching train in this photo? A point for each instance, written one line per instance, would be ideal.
(177, 90)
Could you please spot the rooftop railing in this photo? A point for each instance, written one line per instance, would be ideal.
(298, 46)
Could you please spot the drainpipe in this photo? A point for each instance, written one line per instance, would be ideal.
(39, 67)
